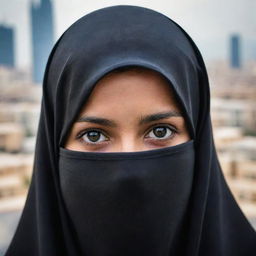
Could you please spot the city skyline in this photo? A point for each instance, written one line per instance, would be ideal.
(198, 17)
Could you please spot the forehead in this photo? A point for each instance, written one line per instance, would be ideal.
(133, 71)
(131, 89)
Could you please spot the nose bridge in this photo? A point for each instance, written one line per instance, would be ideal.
(129, 143)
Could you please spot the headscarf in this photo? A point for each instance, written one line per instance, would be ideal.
(172, 201)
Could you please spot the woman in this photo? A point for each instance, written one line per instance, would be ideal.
(125, 162)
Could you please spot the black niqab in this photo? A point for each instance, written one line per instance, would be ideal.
(169, 201)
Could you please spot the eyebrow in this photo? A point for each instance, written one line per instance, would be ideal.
(159, 116)
(97, 120)
(143, 119)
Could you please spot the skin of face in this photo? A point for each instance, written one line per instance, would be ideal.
(126, 112)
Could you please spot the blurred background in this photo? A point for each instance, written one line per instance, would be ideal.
(224, 31)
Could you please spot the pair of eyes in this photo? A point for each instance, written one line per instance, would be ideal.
(94, 136)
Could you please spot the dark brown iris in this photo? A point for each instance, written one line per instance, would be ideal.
(93, 136)
(159, 131)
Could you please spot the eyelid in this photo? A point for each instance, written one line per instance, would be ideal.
(94, 145)
(83, 132)
(161, 125)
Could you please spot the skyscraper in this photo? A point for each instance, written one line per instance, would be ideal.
(6, 46)
(42, 37)
(235, 55)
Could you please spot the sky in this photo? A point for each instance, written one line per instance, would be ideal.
(208, 22)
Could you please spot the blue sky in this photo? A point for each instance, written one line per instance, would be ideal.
(209, 22)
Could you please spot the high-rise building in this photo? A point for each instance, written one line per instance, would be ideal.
(42, 37)
(6, 46)
(235, 54)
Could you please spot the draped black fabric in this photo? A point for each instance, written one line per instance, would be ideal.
(128, 203)
(180, 203)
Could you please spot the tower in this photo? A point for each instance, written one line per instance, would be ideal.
(235, 58)
(6, 46)
(42, 37)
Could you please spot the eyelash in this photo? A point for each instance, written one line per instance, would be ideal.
(81, 134)
(174, 131)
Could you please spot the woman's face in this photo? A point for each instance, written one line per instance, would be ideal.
(129, 111)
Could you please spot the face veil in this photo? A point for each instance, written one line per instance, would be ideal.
(120, 203)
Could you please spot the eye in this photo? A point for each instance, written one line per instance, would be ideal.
(93, 137)
(160, 132)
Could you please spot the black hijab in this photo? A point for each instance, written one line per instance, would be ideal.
(169, 201)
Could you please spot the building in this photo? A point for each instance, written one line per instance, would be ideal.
(237, 155)
(234, 113)
(19, 113)
(11, 137)
(13, 84)
(15, 173)
(25, 114)
(235, 55)
(7, 46)
(42, 37)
